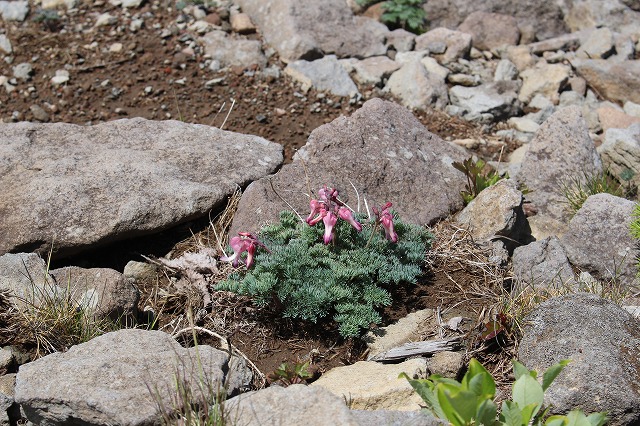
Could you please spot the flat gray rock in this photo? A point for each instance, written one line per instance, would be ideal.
(500, 99)
(418, 88)
(308, 29)
(324, 74)
(118, 378)
(491, 30)
(383, 150)
(541, 264)
(620, 152)
(233, 51)
(560, 150)
(602, 340)
(598, 239)
(83, 186)
(615, 80)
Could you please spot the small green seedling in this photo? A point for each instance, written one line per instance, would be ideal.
(479, 177)
(471, 401)
(290, 374)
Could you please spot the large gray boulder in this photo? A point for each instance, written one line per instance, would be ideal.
(308, 29)
(382, 150)
(120, 378)
(602, 340)
(541, 264)
(543, 18)
(560, 150)
(615, 80)
(82, 186)
(491, 30)
(417, 88)
(598, 239)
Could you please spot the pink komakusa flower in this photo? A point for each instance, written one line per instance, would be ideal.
(245, 241)
(329, 208)
(385, 218)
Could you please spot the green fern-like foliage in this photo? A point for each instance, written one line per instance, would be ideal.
(347, 279)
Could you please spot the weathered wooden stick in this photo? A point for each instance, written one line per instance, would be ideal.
(407, 350)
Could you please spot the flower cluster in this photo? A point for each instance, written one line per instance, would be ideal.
(245, 241)
(385, 218)
(328, 208)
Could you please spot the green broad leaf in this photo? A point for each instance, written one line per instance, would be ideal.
(458, 405)
(552, 372)
(479, 381)
(426, 390)
(520, 370)
(527, 390)
(556, 421)
(597, 419)
(486, 413)
(510, 414)
(577, 418)
(528, 412)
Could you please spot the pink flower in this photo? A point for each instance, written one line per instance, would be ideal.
(385, 218)
(330, 221)
(346, 214)
(245, 241)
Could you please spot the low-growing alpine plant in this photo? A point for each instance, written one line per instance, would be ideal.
(343, 270)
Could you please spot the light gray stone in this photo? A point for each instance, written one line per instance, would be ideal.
(401, 40)
(541, 264)
(620, 152)
(392, 157)
(119, 377)
(433, 67)
(524, 124)
(23, 71)
(564, 42)
(585, 14)
(615, 80)
(375, 386)
(395, 418)
(520, 56)
(545, 79)
(598, 45)
(496, 212)
(457, 44)
(499, 99)
(14, 10)
(5, 44)
(560, 150)
(491, 30)
(9, 412)
(598, 239)
(103, 291)
(542, 19)
(417, 88)
(374, 70)
(20, 272)
(308, 29)
(446, 364)
(602, 341)
(324, 74)
(275, 406)
(463, 79)
(632, 108)
(407, 329)
(82, 186)
(232, 51)
(505, 71)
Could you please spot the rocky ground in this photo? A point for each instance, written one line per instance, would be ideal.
(550, 100)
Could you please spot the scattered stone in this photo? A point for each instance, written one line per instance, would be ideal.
(464, 79)
(446, 363)
(228, 51)
(505, 71)
(565, 42)
(598, 239)
(523, 124)
(456, 43)
(14, 10)
(602, 341)
(5, 44)
(588, 14)
(487, 102)
(520, 56)
(545, 79)
(116, 48)
(401, 40)
(372, 71)
(275, 406)
(61, 77)
(598, 45)
(308, 29)
(417, 88)
(9, 412)
(407, 329)
(395, 418)
(324, 74)
(105, 19)
(130, 3)
(39, 114)
(149, 162)
(548, 163)
(616, 81)
(491, 30)
(496, 212)
(374, 386)
(433, 67)
(613, 118)
(23, 71)
(113, 375)
(393, 158)
(541, 264)
(632, 109)
(578, 85)
(20, 273)
(241, 23)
